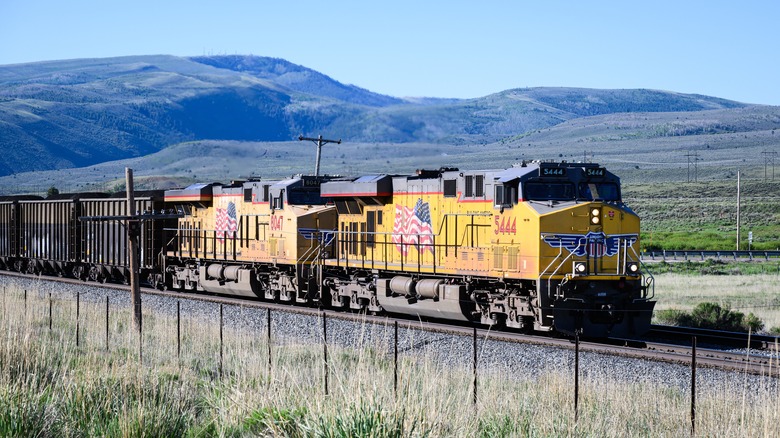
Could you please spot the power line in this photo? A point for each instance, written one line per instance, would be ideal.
(587, 156)
(693, 156)
(769, 156)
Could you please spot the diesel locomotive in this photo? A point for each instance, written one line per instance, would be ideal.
(542, 246)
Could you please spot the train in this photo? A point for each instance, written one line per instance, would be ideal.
(538, 246)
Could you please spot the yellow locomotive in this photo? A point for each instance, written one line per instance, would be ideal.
(252, 238)
(542, 246)
(538, 246)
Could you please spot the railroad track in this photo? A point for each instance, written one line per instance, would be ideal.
(657, 256)
(669, 351)
(716, 337)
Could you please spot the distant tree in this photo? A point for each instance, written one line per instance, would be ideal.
(52, 191)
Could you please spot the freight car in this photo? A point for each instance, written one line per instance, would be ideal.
(538, 246)
(45, 236)
(9, 231)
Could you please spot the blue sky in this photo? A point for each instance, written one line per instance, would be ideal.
(432, 48)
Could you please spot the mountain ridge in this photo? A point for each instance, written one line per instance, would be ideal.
(76, 113)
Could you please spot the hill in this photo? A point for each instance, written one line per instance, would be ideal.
(640, 147)
(77, 113)
(653, 153)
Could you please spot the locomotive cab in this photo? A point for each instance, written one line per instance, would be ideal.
(590, 278)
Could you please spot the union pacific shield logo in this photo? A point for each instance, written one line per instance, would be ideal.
(591, 244)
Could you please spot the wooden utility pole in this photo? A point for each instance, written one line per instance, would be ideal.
(132, 237)
(132, 221)
(738, 210)
(319, 141)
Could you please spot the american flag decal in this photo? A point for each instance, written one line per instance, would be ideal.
(226, 221)
(412, 227)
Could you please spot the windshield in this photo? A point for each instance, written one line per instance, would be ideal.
(548, 191)
(591, 191)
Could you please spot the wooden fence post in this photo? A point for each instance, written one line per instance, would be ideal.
(178, 331)
(325, 347)
(576, 374)
(107, 347)
(475, 364)
(268, 319)
(78, 305)
(220, 341)
(693, 386)
(395, 360)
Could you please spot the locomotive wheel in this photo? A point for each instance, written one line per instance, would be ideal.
(159, 282)
(78, 272)
(94, 274)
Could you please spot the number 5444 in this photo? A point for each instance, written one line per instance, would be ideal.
(505, 225)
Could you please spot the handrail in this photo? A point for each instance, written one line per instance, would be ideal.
(549, 277)
(649, 278)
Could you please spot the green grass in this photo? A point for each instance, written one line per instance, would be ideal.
(703, 215)
(715, 267)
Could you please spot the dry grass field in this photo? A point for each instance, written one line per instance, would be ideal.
(51, 387)
(758, 294)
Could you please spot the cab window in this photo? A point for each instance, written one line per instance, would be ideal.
(278, 201)
(548, 191)
(591, 191)
(505, 195)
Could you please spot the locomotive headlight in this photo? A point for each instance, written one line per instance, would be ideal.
(595, 216)
(580, 268)
(632, 267)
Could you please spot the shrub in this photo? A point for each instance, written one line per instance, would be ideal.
(754, 323)
(711, 316)
(670, 316)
